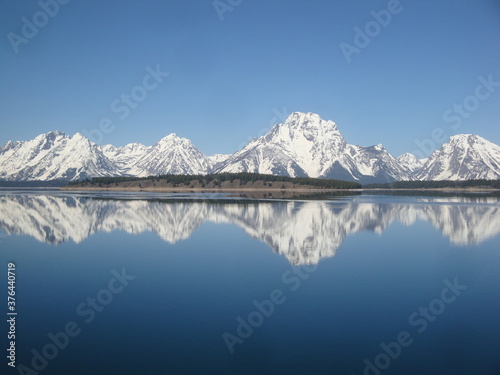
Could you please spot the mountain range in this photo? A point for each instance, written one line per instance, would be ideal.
(304, 145)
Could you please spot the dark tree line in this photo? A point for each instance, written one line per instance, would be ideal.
(219, 178)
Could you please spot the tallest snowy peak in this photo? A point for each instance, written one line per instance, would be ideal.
(303, 130)
(467, 138)
(471, 141)
(304, 115)
(300, 119)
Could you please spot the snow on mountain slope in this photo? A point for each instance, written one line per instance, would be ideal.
(306, 145)
(217, 160)
(303, 145)
(170, 155)
(464, 157)
(54, 155)
(376, 164)
(410, 163)
(125, 156)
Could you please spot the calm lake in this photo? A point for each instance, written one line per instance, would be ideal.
(145, 283)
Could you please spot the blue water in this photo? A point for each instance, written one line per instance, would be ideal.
(337, 280)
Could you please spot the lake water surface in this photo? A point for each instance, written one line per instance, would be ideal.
(144, 283)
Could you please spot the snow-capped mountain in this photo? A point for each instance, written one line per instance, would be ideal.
(306, 145)
(303, 145)
(376, 164)
(464, 157)
(410, 163)
(171, 154)
(52, 156)
(217, 160)
(126, 156)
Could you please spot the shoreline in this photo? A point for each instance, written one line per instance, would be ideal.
(211, 190)
(197, 189)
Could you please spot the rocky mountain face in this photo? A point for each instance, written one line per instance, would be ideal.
(306, 145)
(410, 163)
(171, 154)
(126, 156)
(303, 145)
(464, 157)
(52, 156)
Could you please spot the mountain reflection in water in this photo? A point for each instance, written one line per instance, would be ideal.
(303, 231)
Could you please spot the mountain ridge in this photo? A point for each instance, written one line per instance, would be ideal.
(304, 145)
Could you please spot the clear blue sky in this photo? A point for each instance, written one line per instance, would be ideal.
(229, 78)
